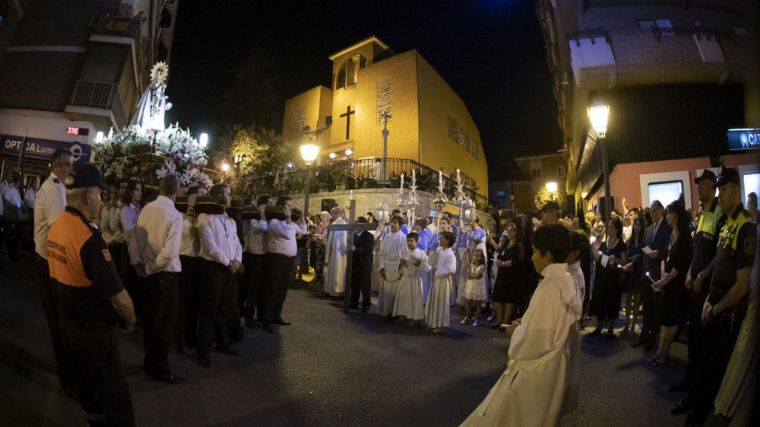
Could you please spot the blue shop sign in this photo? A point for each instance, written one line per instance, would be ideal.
(743, 139)
(36, 148)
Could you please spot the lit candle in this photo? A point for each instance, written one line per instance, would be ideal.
(458, 178)
(440, 181)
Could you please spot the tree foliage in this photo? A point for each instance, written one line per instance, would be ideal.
(252, 98)
(259, 150)
(543, 195)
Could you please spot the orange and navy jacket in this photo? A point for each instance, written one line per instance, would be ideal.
(86, 276)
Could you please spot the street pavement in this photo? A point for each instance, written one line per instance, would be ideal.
(327, 368)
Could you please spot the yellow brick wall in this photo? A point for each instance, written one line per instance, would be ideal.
(437, 102)
(317, 104)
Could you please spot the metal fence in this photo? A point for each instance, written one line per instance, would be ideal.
(353, 174)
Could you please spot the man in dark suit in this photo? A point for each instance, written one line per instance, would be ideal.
(656, 238)
(361, 268)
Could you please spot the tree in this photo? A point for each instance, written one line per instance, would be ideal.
(543, 195)
(252, 98)
(260, 150)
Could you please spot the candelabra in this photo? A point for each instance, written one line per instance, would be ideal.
(440, 200)
(465, 204)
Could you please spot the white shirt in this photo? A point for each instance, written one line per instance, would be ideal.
(219, 241)
(190, 245)
(446, 262)
(392, 249)
(48, 206)
(114, 223)
(256, 236)
(281, 237)
(11, 195)
(29, 196)
(156, 237)
(128, 215)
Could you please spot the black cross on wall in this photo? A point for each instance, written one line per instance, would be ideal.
(347, 115)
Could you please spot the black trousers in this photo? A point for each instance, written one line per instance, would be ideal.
(361, 275)
(280, 270)
(49, 298)
(255, 277)
(189, 301)
(103, 390)
(717, 345)
(217, 295)
(696, 334)
(650, 328)
(160, 322)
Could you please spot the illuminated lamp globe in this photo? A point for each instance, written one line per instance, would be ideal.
(551, 187)
(598, 114)
(309, 152)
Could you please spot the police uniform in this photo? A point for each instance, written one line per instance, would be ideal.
(85, 278)
(735, 251)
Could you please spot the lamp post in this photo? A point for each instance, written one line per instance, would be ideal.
(598, 114)
(203, 140)
(551, 187)
(309, 153)
(386, 115)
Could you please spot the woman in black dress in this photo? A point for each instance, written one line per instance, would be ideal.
(609, 254)
(508, 289)
(675, 296)
(632, 274)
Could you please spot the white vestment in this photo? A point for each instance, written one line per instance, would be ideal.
(392, 251)
(532, 389)
(336, 260)
(409, 298)
(437, 309)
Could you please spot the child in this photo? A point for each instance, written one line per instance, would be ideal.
(409, 299)
(437, 307)
(475, 288)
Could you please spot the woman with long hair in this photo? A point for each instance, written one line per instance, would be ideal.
(609, 254)
(675, 298)
(508, 289)
(632, 274)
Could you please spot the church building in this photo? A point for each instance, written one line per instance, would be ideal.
(428, 121)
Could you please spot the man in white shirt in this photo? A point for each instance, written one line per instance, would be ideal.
(253, 261)
(222, 254)
(30, 193)
(49, 205)
(186, 331)
(154, 251)
(280, 259)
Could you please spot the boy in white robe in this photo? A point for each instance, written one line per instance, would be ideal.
(409, 299)
(532, 390)
(336, 259)
(437, 309)
(392, 252)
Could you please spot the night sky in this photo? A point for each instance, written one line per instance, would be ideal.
(491, 52)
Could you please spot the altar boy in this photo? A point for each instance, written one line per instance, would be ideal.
(409, 299)
(437, 307)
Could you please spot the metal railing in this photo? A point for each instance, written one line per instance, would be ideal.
(90, 94)
(353, 174)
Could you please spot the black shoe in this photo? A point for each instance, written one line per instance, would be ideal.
(169, 378)
(228, 351)
(683, 406)
(280, 322)
(204, 360)
(681, 386)
(268, 329)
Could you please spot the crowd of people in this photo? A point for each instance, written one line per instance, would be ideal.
(188, 268)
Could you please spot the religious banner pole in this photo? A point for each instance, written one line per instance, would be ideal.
(386, 116)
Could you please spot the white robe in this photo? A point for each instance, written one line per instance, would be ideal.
(392, 251)
(437, 308)
(336, 260)
(532, 389)
(409, 298)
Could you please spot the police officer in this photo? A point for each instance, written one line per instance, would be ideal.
(722, 312)
(91, 301)
(699, 275)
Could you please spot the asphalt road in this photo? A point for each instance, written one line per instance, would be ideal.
(327, 368)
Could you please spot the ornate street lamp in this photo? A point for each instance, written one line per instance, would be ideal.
(551, 187)
(598, 115)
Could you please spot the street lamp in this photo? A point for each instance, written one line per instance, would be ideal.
(225, 167)
(203, 140)
(598, 115)
(309, 153)
(551, 187)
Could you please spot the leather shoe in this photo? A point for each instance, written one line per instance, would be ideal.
(204, 360)
(683, 406)
(281, 322)
(228, 351)
(170, 379)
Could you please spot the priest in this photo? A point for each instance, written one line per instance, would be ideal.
(392, 252)
(336, 256)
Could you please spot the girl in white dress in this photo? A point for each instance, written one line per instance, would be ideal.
(474, 288)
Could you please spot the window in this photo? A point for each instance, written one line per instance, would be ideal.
(501, 193)
(341, 80)
(535, 173)
(665, 191)
(660, 27)
(349, 71)
(751, 183)
(461, 137)
(453, 126)
(476, 148)
(561, 172)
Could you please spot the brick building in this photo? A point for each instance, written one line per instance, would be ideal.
(676, 75)
(67, 72)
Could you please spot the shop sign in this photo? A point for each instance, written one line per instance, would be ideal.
(743, 139)
(36, 148)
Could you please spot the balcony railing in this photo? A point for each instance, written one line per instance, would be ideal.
(99, 95)
(118, 26)
(354, 174)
